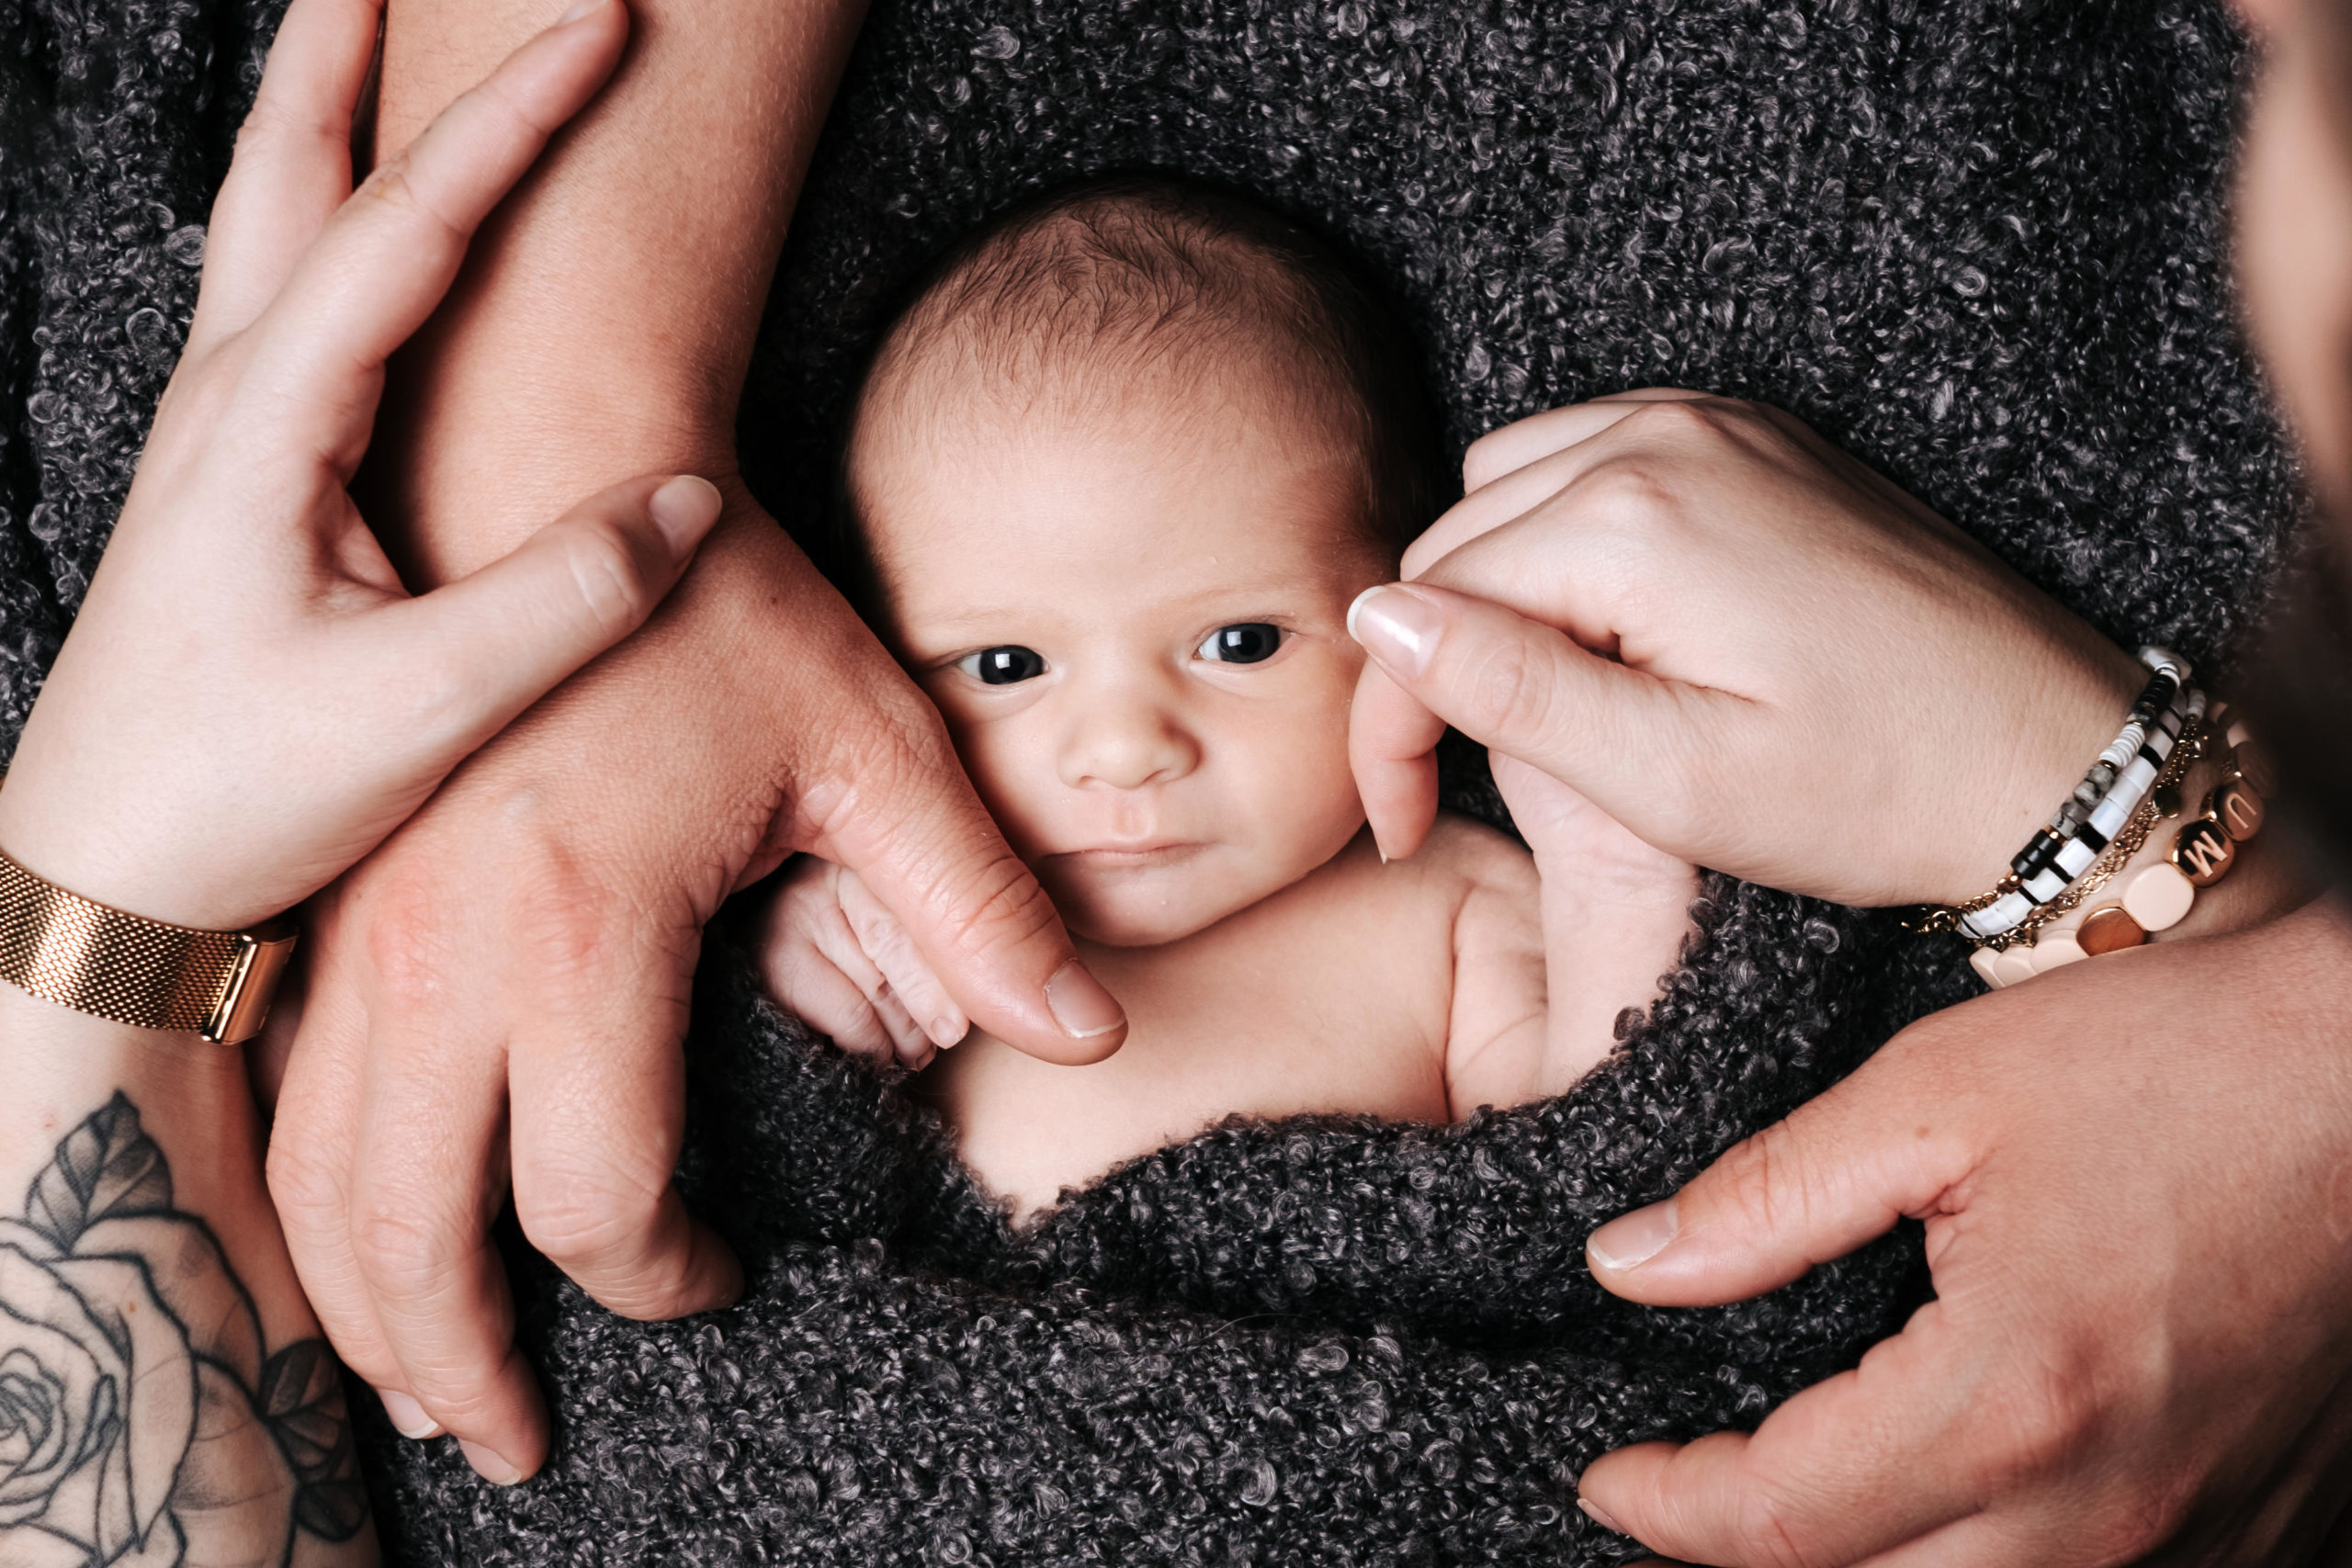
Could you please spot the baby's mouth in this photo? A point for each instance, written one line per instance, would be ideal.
(1130, 857)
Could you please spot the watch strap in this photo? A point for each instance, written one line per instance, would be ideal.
(66, 949)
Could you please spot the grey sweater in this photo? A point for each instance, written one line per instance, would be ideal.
(1978, 243)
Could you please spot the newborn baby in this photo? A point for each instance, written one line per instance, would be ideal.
(1116, 477)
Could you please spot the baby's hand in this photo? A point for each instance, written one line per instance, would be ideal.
(1571, 835)
(831, 953)
(1615, 914)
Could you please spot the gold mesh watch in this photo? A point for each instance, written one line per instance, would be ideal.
(65, 948)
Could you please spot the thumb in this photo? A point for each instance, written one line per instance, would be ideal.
(898, 811)
(1523, 689)
(1838, 1173)
(502, 637)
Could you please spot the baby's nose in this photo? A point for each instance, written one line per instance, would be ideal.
(1127, 745)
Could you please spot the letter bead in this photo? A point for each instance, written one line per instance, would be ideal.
(2204, 852)
(2238, 809)
(2250, 764)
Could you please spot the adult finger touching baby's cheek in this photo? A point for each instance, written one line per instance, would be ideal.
(888, 798)
(1392, 750)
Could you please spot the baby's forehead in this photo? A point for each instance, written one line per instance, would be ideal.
(1084, 509)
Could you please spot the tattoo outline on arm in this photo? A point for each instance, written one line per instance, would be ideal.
(141, 1421)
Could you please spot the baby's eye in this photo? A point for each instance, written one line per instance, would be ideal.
(1006, 666)
(1249, 643)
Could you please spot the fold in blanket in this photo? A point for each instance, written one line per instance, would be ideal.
(1979, 243)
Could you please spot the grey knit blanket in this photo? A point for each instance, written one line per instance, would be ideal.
(1978, 243)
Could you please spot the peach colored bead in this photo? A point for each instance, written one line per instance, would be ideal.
(1982, 962)
(2015, 966)
(2159, 898)
(2055, 952)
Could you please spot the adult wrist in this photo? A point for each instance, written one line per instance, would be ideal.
(2037, 736)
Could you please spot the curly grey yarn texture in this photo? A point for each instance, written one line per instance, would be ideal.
(1979, 243)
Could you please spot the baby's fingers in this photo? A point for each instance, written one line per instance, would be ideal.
(811, 987)
(386, 259)
(910, 980)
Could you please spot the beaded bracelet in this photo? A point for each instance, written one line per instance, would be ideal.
(2157, 896)
(2093, 816)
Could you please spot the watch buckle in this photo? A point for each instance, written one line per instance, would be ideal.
(262, 957)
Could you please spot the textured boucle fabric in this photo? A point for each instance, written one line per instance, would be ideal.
(1978, 243)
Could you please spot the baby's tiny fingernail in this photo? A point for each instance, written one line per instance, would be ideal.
(489, 1464)
(684, 510)
(408, 1417)
(1080, 1005)
(946, 1033)
(1396, 626)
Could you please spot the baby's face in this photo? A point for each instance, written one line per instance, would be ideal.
(1136, 625)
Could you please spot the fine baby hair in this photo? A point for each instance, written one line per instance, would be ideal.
(1073, 292)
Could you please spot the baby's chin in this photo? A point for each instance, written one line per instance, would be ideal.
(1132, 909)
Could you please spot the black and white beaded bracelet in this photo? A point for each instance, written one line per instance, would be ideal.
(2098, 810)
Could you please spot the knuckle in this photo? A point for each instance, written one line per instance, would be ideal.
(2051, 1415)
(1677, 420)
(1000, 908)
(393, 188)
(1482, 464)
(270, 121)
(1775, 1527)
(404, 938)
(307, 1190)
(567, 925)
(580, 1218)
(1762, 1184)
(1509, 693)
(608, 574)
(1628, 494)
(401, 1244)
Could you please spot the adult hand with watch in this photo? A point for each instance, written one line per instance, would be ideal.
(496, 998)
(248, 702)
(2141, 1347)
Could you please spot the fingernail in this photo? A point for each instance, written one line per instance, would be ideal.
(1592, 1511)
(585, 8)
(948, 1033)
(408, 1417)
(489, 1464)
(1396, 626)
(1080, 1005)
(684, 510)
(1631, 1240)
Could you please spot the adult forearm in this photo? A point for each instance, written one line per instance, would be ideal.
(605, 321)
(161, 1356)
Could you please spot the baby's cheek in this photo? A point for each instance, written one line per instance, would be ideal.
(1302, 781)
(1011, 766)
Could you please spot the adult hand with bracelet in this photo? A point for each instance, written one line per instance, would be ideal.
(1759, 655)
(248, 702)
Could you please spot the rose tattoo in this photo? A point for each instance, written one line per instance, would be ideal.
(141, 1421)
